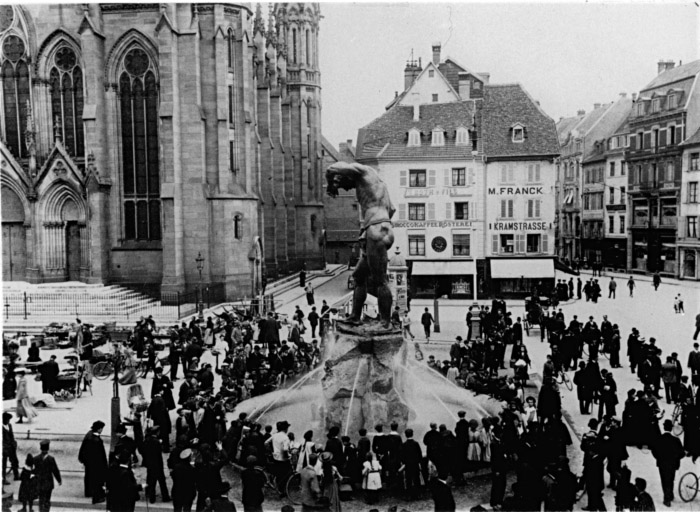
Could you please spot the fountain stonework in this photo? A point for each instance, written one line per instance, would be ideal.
(365, 381)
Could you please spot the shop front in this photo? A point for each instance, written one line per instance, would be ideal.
(451, 279)
(689, 259)
(517, 277)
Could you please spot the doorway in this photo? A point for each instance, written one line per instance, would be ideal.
(72, 251)
(14, 251)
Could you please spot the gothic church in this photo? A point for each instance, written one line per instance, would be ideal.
(136, 137)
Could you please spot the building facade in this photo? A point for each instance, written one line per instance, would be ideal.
(438, 145)
(615, 219)
(138, 137)
(665, 113)
(688, 232)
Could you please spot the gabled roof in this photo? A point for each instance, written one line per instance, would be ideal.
(693, 140)
(565, 125)
(608, 123)
(325, 143)
(452, 77)
(674, 75)
(387, 133)
(590, 120)
(509, 104)
(420, 77)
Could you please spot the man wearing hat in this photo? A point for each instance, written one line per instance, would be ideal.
(153, 460)
(668, 452)
(253, 482)
(125, 443)
(92, 455)
(122, 488)
(158, 412)
(184, 482)
(49, 371)
(9, 447)
(45, 470)
(162, 384)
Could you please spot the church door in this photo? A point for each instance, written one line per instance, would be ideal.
(72, 251)
(14, 251)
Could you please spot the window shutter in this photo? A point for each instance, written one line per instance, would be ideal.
(494, 244)
(448, 211)
(431, 211)
(662, 137)
(470, 176)
(472, 210)
(537, 172)
(529, 209)
(431, 177)
(403, 178)
(503, 208)
(537, 208)
(448, 172)
(510, 208)
(519, 243)
(504, 176)
(545, 243)
(530, 173)
(402, 211)
(511, 174)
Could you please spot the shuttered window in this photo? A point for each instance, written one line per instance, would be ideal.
(448, 211)
(494, 244)
(403, 178)
(431, 177)
(431, 211)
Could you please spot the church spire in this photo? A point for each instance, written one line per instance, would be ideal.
(259, 23)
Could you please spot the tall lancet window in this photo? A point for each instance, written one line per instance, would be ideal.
(15, 90)
(66, 81)
(138, 92)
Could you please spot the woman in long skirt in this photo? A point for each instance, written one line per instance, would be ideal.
(209, 333)
(25, 409)
(329, 482)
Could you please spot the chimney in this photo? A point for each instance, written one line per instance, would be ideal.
(464, 85)
(665, 65)
(485, 76)
(436, 53)
(581, 113)
(623, 95)
(415, 100)
(596, 106)
(410, 72)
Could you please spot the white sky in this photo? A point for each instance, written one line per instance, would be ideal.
(567, 55)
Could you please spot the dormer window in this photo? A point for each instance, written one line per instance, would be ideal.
(438, 137)
(518, 133)
(414, 137)
(672, 101)
(477, 85)
(462, 136)
(655, 104)
(640, 108)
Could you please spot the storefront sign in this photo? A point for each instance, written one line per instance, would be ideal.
(518, 226)
(433, 224)
(514, 191)
(428, 192)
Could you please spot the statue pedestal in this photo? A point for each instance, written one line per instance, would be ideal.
(365, 379)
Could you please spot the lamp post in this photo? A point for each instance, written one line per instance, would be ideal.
(115, 410)
(200, 267)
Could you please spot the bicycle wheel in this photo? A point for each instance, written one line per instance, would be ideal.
(688, 487)
(294, 489)
(567, 381)
(103, 370)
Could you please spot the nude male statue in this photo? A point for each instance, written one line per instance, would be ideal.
(376, 235)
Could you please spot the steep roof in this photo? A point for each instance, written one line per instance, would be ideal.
(608, 123)
(326, 144)
(565, 125)
(694, 139)
(674, 75)
(388, 133)
(509, 104)
(591, 119)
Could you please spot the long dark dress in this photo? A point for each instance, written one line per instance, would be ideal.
(93, 456)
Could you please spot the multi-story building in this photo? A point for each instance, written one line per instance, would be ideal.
(595, 171)
(688, 231)
(578, 136)
(136, 137)
(430, 149)
(665, 113)
(614, 252)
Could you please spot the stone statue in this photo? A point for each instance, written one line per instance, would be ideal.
(376, 235)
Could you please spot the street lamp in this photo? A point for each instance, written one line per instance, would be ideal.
(200, 267)
(116, 409)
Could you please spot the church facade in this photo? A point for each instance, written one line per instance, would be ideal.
(137, 139)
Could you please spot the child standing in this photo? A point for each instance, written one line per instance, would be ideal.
(27, 487)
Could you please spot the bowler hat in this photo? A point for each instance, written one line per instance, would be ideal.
(97, 425)
(44, 444)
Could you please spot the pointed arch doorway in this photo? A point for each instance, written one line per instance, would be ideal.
(14, 243)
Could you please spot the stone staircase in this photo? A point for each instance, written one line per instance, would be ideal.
(63, 302)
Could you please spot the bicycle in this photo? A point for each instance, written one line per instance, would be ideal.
(688, 487)
(292, 488)
(563, 378)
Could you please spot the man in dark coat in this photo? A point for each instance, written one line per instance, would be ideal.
(442, 494)
(162, 384)
(313, 321)
(92, 455)
(124, 443)
(642, 501)
(122, 488)
(668, 452)
(411, 457)
(593, 470)
(153, 461)
(49, 375)
(9, 447)
(158, 412)
(184, 482)
(206, 378)
(45, 470)
(253, 483)
(393, 460)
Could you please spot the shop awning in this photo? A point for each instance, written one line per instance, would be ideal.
(443, 268)
(522, 267)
